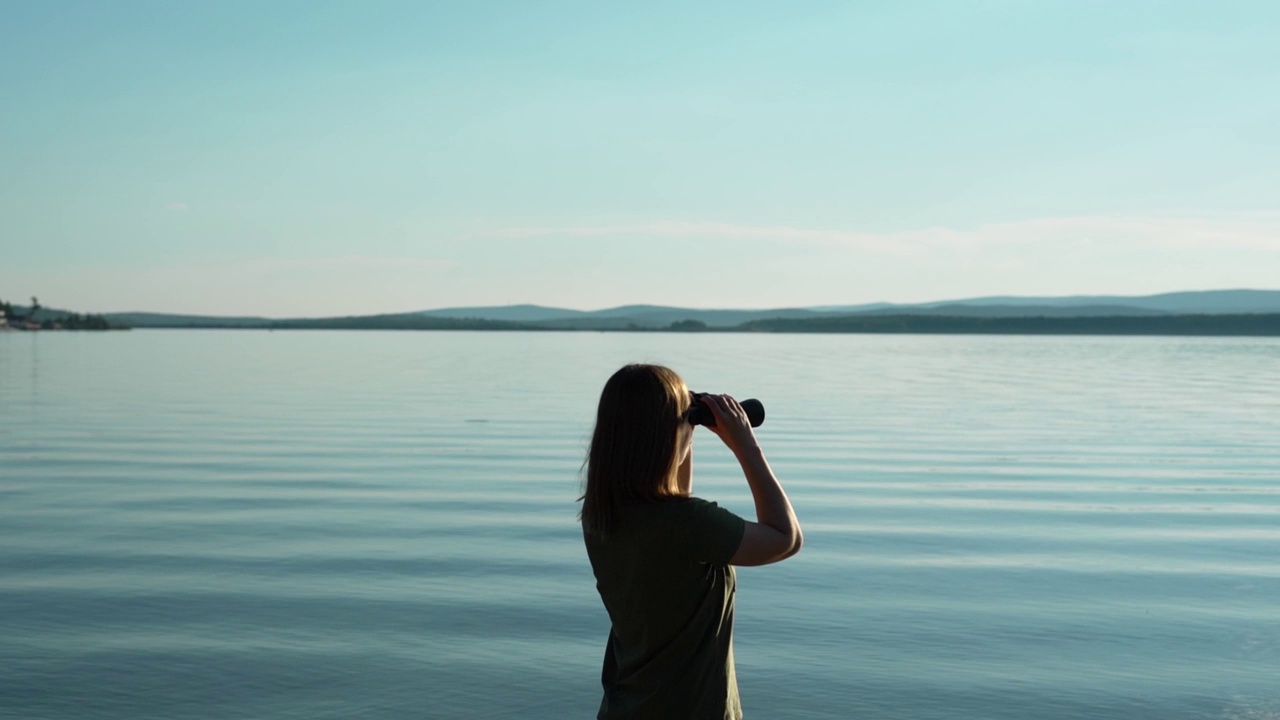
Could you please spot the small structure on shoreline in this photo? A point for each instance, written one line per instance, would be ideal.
(53, 319)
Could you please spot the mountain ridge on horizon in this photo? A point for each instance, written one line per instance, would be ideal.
(643, 316)
(1180, 302)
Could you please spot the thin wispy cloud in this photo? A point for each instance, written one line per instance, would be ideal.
(1254, 231)
(683, 229)
(361, 264)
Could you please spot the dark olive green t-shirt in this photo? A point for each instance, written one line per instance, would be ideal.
(665, 578)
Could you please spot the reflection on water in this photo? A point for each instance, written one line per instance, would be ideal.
(381, 525)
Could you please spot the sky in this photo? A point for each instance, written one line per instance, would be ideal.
(308, 158)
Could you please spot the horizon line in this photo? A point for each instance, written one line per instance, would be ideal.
(820, 306)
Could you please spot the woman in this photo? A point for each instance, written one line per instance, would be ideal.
(663, 559)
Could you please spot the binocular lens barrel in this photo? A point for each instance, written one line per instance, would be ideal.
(700, 414)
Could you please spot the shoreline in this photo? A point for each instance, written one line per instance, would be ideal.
(1238, 325)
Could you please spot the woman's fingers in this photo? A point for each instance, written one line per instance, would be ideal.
(732, 424)
(733, 407)
(736, 406)
(717, 411)
(721, 406)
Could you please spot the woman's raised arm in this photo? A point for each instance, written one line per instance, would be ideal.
(776, 534)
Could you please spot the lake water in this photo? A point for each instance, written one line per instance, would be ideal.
(240, 524)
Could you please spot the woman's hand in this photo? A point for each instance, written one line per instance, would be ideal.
(732, 425)
(776, 534)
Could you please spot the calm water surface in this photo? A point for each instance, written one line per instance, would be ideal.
(226, 524)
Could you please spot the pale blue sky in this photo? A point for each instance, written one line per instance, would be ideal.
(314, 158)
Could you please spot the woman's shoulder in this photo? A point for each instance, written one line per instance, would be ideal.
(675, 527)
(677, 509)
(676, 504)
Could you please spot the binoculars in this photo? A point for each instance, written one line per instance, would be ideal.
(700, 414)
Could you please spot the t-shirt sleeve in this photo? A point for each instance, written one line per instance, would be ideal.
(713, 533)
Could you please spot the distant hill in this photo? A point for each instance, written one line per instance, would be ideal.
(57, 318)
(398, 321)
(40, 315)
(169, 320)
(1212, 301)
(1250, 324)
(1208, 302)
(845, 309)
(395, 321)
(966, 309)
(642, 316)
(654, 316)
(1227, 303)
(506, 313)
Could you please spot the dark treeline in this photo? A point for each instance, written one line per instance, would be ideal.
(1228, 325)
(44, 318)
(76, 321)
(411, 321)
(1253, 324)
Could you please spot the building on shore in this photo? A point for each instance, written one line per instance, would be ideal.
(19, 324)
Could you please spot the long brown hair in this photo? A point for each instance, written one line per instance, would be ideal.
(633, 448)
